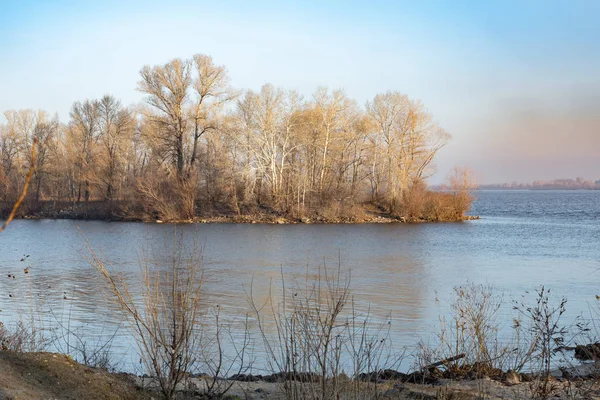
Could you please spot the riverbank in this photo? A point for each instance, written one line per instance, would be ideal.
(366, 213)
(29, 376)
(321, 353)
(273, 219)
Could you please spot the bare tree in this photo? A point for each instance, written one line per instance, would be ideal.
(167, 88)
(189, 150)
(332, 110)
(25, 127)
(9, 152)
(84, 132)
(116, 130)
(19, 201)
(185, 97)
(211, 92)
(389, 111)
(425, 139)
(268, 120)
(408, 140)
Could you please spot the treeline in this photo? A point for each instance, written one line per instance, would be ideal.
(556, 184)
(197, 148)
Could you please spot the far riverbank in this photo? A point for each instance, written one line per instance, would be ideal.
(365, 213)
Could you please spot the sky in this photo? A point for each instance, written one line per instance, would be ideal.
(515, 82)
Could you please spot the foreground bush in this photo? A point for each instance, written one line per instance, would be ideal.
(319, 336)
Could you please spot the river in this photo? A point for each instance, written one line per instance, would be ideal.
(524, 239)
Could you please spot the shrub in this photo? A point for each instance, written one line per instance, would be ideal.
(164, 324)
(319, 334)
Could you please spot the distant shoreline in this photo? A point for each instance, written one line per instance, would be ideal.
(556, 184)
(499, 188)
(250, 219)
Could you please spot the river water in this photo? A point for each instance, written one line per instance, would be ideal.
(524, 239)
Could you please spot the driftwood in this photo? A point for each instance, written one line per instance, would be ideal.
(588, 352)
(584, 352)
(444, 361)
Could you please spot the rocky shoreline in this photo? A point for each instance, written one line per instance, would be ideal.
(271, 219)
(367, 213)
(30, 376)
(318, 220)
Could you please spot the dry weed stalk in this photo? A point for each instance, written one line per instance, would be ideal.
(83, 346)
(538, 337)
(318, 336)
(165, 323)
(221, 363)
(11, 216)
(548, 335)
(169, 322)
(473, 330)
(23, 338)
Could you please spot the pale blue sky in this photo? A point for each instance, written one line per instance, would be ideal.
(517, 83)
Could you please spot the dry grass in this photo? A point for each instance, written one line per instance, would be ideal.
(471, 328)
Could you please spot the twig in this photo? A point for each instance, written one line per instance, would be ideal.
(25, 187)
(444, 361)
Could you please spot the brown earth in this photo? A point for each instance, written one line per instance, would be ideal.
(29, 376)
(33, 376)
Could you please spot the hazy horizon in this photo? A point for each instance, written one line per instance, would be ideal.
(517, 84)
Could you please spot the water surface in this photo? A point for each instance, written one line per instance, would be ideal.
(524, 239)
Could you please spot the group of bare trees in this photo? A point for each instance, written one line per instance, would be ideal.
(198, 147)
(76, 161)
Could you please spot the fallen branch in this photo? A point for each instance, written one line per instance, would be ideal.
(444, 361)
(25, 187)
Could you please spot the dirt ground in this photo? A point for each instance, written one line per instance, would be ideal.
(29, 376)
(33, 376)
(443, 390)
